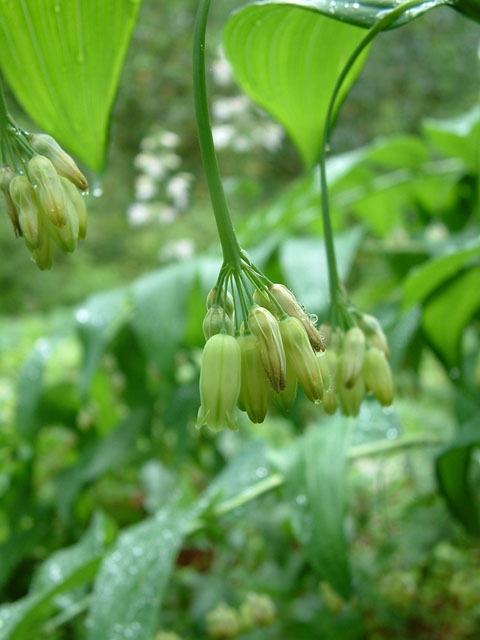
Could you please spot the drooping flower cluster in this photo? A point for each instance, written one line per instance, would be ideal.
(262, 345)
(42, 187)
(259, 347)
(357, 364)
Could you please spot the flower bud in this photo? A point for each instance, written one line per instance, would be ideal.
(329, 402)
(78, 202)
(374, 333)
(255, 390)
(286, 398)
(289, 304)
(215, 320)
(6, 175)
(353, 353)
(378, 376)
(303, 359)
(259, 608)
(265, 327)
(264, 300)
(223, 622)
(64, 164)
(328, 363)
(350, 397)
(43, 254)
(24, 198)
(50, 193)
(220, 380)
(227, 302)
(66, 237)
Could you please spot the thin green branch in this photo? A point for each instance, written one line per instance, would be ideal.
(228, 239)
(381, 25)
(3, 112)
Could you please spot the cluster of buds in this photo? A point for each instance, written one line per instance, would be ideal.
(257, 610)
(357, 363)
(42, 187)
(259, 348)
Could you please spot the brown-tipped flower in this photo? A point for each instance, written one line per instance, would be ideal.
(78, 201)
(302, 357)
(265, 327)
(64, 164)
(374, 333)
(353, 351)
(221, 300)
(286, 398)
(255, 390)
(50, 193)
(378, 376)
(215, 320)
(350, 397)
(290, 305)
(24, 198)
(6, 175)
(66, 237)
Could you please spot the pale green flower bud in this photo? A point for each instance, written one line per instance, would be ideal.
(222, 301)
(43, 254)
(223, 622)
(78, 201)
(216, 320)
(374, 333)
(24, 198)
(289, 304)
(265, 327)
(255, 390)
(259, 608)
(64, 164)
(378, 376)
(6, 176)
(287, 397)
(325, 372)
(353, 351)
(220, 380)
(66, 237)
(303, 359)
(329, 401)
(50, 193)
(264, 300)
(350, 397)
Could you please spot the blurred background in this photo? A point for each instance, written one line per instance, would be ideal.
(411, 195)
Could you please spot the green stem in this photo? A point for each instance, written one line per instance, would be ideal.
(381, 25)
(228, 239)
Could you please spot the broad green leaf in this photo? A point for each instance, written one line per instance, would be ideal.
(63, 571)
(159, 311)
(98, 319)
(287, 56)
(457, 137)
(452, 468)
(316, 484)
(110, 452)
(63, 59)
(131, 583)
(425, 279)
(304, 265)
(447, 314)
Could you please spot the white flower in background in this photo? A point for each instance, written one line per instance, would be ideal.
(227, 108)
(178, 189)
(151, 164)
(166, 214)
(145, 188)
(139, 214)
(270, 136)
(169, 139)
(177, 249)
(223, 135)
(222, 70)
(171, 161)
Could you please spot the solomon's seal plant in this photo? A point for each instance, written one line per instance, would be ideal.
(42, 188)
(261, 342)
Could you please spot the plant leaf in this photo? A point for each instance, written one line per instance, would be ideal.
(287, 56)
(452, 468)
(446, 315)
(304, 264)
(316, 484)
(130, 585)
(63, 60)
(62, 571)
